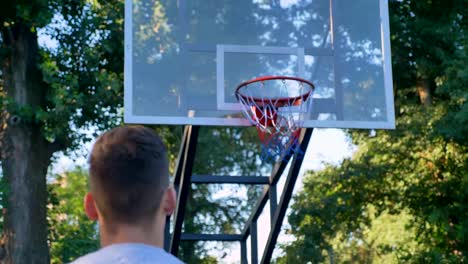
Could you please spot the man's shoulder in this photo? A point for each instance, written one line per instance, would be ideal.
(128, 254)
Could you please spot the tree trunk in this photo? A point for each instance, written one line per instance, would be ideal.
(331, 255)
(424, 91)
(24, 151)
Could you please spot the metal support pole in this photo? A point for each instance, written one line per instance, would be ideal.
(253, 243)
(255, 212)
(211, 237)
(186, 174)
(180, 158)
(243, 245)
(210, 179)
(184, 179)
(285, 197)
(279, 169)
(273, 202)
(177, 176)
(167, 233)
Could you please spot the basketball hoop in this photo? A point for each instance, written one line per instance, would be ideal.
(277, 106)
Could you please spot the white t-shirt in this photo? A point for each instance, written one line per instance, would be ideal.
(128, 254)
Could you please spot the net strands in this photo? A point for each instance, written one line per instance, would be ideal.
(277, 106)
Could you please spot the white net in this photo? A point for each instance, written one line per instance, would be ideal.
(277, 107)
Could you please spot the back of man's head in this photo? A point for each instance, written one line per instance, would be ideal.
(128, 174)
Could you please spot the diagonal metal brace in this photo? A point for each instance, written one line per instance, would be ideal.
(280, 211)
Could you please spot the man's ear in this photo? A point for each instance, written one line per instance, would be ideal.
(169, 201)
(90, 207)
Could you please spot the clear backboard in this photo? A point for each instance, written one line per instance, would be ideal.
(185, 58)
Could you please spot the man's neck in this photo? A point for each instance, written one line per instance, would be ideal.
(122, 233)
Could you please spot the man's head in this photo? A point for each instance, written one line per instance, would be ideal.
(129, 178)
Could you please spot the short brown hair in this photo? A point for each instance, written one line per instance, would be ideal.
(128, 174)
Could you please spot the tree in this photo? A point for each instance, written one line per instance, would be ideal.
(48, 95)
(71, 233)
(418, 172)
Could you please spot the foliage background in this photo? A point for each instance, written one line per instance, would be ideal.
(402, 197)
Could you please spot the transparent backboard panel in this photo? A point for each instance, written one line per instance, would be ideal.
(185, 58)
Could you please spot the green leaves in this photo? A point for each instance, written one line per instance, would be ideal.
(35, 13)
(454, 125)
(411, 181)
(71, 234)
(408, 172)
(83, 79)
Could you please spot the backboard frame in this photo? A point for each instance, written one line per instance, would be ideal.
(130, 117)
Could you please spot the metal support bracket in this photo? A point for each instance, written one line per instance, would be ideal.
(184, 179)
